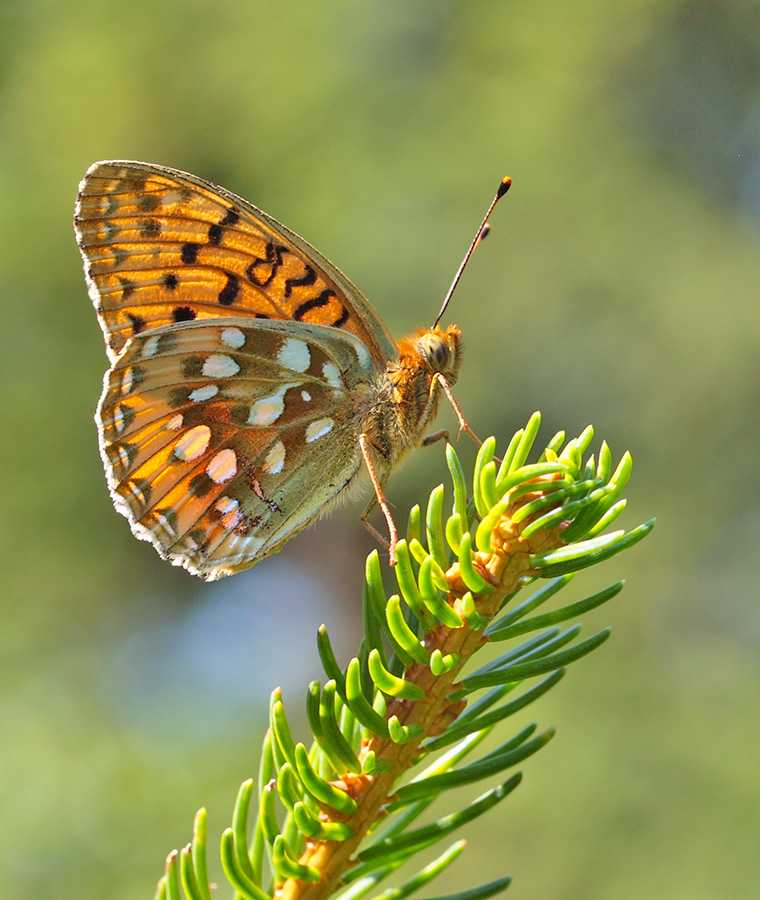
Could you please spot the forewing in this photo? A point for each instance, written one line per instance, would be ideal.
(163, 246)
(221, 439)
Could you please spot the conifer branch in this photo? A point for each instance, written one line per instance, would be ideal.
(338, 816)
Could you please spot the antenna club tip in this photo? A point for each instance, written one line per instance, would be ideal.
(506, 184)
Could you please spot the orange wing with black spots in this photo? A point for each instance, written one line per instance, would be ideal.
(163, 247)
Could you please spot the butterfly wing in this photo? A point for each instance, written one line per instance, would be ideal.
(163, 246)
(224, 438)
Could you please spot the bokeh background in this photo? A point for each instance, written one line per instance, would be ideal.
(619, 287)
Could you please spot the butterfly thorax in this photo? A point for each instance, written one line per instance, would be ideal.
(407, 394)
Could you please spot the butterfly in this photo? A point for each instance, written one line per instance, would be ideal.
(251, 386)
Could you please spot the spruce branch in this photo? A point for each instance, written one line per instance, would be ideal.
(338, 816)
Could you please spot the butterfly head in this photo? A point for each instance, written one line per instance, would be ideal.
(441, 350)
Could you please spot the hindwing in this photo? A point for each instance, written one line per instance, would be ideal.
(223, 438)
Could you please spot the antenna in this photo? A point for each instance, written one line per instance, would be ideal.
(481, 234)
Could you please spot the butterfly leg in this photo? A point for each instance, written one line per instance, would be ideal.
(379, 498)
(463, 426)
(442, 435)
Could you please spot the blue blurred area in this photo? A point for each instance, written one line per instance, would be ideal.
(204, 673)
(619, 286)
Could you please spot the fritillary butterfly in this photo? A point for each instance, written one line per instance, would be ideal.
(251, 384)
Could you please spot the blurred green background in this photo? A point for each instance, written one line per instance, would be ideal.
(619, 287)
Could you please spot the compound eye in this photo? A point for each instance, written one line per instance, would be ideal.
(435, 351)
